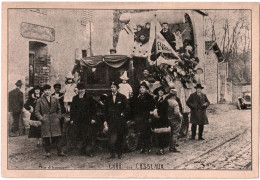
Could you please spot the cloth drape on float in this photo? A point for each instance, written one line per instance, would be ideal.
(114, 61)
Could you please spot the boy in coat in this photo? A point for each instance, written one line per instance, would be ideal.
(198, 103)
(82, 115)
(48, 111)
(116, 110)
(16, 103)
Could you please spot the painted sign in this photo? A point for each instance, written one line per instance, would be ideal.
(34, 31)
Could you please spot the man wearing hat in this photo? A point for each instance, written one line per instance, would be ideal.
(82, 116)
(60, 96)
(174, 117)
(16, 103)
(48, 111)
(198, 103)
(116, 108)
(144, 104)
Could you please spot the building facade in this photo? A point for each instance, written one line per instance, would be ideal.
(46, 42)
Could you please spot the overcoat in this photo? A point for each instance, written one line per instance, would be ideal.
(198, 112)
(49, 114)
(161, 106)
(116, 113)
(82, 111)
(61, 100)
(170, 38)
(34, 132)
(16, 101)
(143, 105)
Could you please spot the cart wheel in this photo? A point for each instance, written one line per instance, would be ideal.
(70, 138)
(132, 141)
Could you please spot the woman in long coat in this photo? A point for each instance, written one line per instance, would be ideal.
(198, 103)
(162, 120)
(144, 104)
(34, 95)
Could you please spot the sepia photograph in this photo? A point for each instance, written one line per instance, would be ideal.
(130, 89)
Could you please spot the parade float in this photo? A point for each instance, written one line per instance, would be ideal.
(169, 66)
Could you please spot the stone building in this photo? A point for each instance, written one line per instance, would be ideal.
(49, 40)
(215, 73)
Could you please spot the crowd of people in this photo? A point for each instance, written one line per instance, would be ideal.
(157, 112)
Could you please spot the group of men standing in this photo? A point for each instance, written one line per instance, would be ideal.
(150, 114)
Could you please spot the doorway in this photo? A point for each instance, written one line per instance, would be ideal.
(38, 63)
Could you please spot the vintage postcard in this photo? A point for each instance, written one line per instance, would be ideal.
(130, 90)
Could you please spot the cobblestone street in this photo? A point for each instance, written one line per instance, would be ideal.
(227, 146)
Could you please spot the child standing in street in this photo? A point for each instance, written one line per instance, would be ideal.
(69, 91)
(124, 87)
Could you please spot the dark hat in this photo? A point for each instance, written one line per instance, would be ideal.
(115, 84)
(103, 97)
(46, 86)
(57, 86)
(159, 89)
(37, 87)
(112, 50)
(199, 86)
(19, 83)
(81, 85)
(144, 84)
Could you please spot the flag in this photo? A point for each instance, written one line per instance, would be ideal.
(161, 43)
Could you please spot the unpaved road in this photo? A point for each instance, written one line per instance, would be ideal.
(227, 146)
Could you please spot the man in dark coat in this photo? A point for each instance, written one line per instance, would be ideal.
(198, 103)
(16, 103)
(116, 110)
(48, 111)
(144, 104)
(170, 38)
(82, 115)
(60, 96)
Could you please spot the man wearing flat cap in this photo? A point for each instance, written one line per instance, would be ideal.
(82, 116)
(116, 108)
(48, 111)
(16, 103)
(198, 103)
(60, 96)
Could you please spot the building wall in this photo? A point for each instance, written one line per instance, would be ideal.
(69, 36)
(210, 77)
